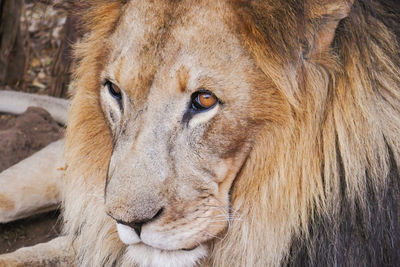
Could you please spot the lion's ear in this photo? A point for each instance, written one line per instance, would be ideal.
(325, 16)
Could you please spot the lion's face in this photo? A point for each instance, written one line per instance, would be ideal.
(178, 97)
(242, 133)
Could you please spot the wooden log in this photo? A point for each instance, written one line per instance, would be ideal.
(12, 56)
(62, 64)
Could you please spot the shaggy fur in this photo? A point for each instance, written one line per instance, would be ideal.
(320, 185)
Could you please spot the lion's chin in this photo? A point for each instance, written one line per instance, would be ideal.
(144, 255)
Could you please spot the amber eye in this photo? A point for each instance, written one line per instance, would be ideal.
(203, 100)
(114, 90)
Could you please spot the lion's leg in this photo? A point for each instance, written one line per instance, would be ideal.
(32, 185)
(57, 252)
(17, 102)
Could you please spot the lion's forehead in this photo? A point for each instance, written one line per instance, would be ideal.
(151, 43)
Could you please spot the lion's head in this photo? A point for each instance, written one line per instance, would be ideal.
(220, 131)
(183, 118)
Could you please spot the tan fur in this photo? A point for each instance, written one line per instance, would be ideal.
(295, 107)
(52, 192)
(32, 186)
(6, 203)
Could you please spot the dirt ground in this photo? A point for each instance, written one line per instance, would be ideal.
(20, 137)
(28, 232)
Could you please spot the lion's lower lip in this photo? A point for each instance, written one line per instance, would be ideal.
(189, 249)
(163, 249)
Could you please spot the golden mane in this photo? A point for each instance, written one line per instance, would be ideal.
(88, 137)
(339, 147)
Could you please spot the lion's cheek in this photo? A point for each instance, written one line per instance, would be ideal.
(186, 233)
(226, 172)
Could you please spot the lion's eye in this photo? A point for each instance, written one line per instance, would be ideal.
(114, 90)
(203, 100)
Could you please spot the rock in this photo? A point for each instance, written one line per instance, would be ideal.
(25, 134)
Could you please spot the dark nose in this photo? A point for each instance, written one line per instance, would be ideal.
(137, 225)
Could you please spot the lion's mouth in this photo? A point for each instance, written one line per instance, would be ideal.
(190, 249)
(163, 249)
(129, 237)
(170, 250)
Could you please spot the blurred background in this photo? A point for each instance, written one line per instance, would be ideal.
(35, 45)
(36, 37)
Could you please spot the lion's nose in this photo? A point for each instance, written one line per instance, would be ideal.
(137, 224)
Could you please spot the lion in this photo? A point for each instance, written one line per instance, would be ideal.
(234, 133)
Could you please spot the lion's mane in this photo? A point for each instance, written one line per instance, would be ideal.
(320, 187)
